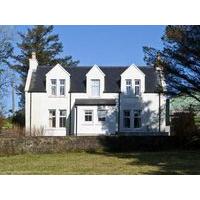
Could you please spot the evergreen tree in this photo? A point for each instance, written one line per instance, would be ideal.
(39, 39)
(179, 60)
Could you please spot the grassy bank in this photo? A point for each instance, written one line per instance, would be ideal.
(183, 162)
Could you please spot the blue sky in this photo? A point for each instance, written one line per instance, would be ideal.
(105, 45)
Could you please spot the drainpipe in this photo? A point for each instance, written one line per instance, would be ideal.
(76, 119)
(70, 116)
(119, 112)
(159, 111)
(30, 111)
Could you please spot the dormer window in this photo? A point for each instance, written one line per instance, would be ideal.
(62, 87)
(95, 87)
(137, 87)
(128, 86)
(53, 87)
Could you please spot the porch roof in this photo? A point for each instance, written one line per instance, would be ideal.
(93, 102)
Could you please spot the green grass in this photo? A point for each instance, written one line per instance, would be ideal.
(183, 162)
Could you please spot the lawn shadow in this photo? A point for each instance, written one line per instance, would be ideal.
(166, 163)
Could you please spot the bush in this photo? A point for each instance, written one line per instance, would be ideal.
(2, 121)
(19, 118)
(183, 124)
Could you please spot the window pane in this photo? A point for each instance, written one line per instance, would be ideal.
(62, 118)
(137, 86)
(128, 86)
(137, 122)
(137, 90)
(127, 121)
(53, 86)
(62, 112)
(127, 113)
(102, 115)
(95, 87)
(88, 115)
(137, 119)
(62, 86)
(52, 118)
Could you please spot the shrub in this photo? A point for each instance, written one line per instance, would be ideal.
(183, 124)
(2, 121)
(19, 118)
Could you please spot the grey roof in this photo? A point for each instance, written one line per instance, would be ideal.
(110, 102)
(78, 78)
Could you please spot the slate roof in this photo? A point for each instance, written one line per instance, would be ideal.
(95, 102)
(78, 78)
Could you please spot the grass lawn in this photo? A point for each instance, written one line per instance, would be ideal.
(182, 162)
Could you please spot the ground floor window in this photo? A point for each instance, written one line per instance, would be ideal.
(88, 115)
(62, 118)
(52, 118)
(127, 118)
(102, 115)
(137, 118)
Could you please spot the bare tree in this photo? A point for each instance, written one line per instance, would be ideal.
(6, 50)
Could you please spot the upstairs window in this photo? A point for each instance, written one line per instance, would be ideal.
(88, 115)
(53, 87)
(62, 87)
(62, 118)
(52, 118)
(128, 86)
(95, 87)
(137, 118)
(137, 87)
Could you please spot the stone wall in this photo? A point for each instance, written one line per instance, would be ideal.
(39, 144)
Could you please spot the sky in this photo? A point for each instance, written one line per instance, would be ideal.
(104, 45)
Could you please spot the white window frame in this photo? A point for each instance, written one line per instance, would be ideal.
(97, 87)
(53, 86)
(62, 86)
(129, 87)
(62, 117)
(128, 117)
(138, 86)
(86, 114)
(51, 118)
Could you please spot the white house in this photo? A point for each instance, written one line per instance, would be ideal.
(94, 100)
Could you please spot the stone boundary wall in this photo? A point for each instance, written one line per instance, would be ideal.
(44, 144)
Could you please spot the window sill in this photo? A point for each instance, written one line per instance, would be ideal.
(51, 96)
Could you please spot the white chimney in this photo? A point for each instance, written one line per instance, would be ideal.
(33, 63)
